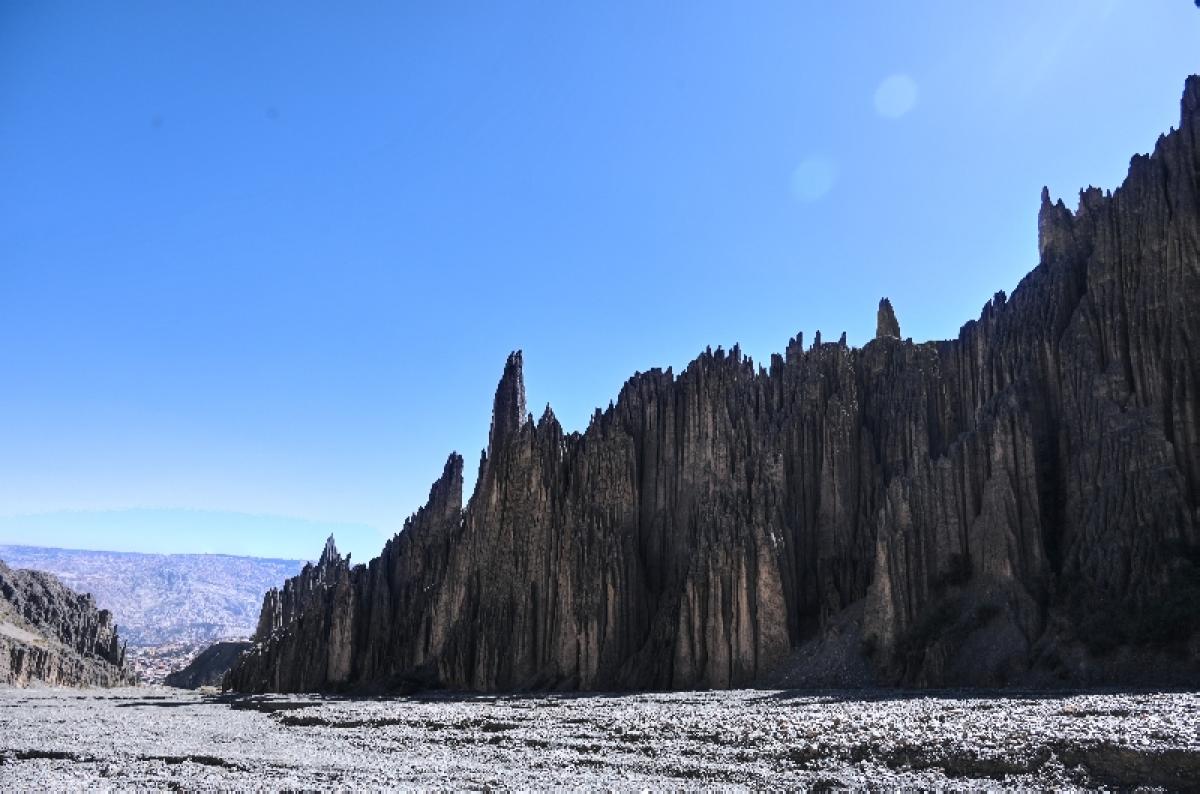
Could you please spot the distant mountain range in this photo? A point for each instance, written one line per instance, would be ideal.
(161, 599)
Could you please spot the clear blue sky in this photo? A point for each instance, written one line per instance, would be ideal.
(264, 261)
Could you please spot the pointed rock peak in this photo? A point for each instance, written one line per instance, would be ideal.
(795, 348)
(330, 554)
(508, 410)
(1090, 200)
(547, 416)
(1053, 219)
(445, 497)
(885, 321)
(453, 469)
(1190, 106)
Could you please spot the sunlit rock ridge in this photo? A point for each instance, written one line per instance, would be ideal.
(50, 634)
(1017, 505)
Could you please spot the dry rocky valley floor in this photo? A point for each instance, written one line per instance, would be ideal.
(156, 737)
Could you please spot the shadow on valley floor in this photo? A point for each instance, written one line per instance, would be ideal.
(874, 695)
(269, 703)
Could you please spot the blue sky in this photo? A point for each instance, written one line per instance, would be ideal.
(261, 264)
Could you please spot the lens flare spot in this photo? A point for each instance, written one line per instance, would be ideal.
(896, 96)
(813, 178)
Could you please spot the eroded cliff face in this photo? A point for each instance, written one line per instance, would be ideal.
(52, 635)
(1017, 504)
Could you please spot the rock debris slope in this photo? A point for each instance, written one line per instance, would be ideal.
(52, 635)
(1016, 504)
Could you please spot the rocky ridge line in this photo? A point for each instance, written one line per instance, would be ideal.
(1018, 504)
(52, 635)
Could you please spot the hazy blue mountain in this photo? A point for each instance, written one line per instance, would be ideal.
(158, 599)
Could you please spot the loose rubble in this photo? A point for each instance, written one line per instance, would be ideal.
(158, 737)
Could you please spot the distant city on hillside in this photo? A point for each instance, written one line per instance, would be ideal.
(168, 607)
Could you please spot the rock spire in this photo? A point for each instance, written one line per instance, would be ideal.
(885, 321)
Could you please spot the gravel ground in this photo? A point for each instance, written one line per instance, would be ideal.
(159, 737)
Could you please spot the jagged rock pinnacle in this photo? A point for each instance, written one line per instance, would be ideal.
(1190, 104)
(885, 321)
(330, 553)
(508, 409)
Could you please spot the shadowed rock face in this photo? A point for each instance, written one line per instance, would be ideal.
(53, 635)
(209, 667)
(885, 321)
(1019, 504)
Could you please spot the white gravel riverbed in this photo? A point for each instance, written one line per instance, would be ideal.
(159, 737)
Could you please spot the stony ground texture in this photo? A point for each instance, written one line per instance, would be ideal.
(157, 737)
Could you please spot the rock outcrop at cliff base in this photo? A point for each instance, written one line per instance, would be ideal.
(1018, 504)
(209, 667)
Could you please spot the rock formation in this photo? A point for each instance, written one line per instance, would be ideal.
(209, 667)
(53, 635)
(885, 321)
(1018, 504)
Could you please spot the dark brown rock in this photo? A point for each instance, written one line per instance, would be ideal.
(1018, 504)
(886, 323)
